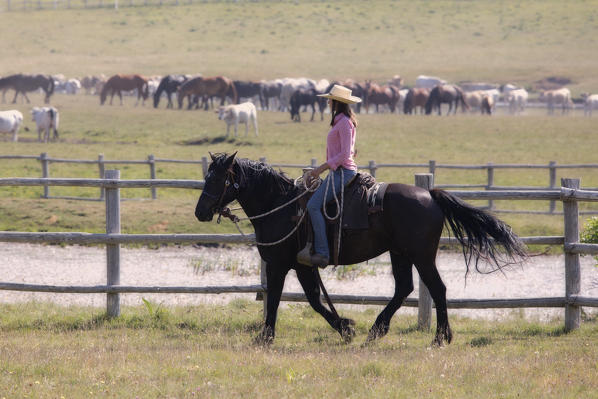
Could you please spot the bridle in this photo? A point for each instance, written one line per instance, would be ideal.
(218, 208)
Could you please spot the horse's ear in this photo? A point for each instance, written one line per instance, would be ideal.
(212, 156)
(229, 161)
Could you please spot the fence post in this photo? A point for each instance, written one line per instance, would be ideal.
(204, 166)
(314, 163)
(264, 283)
(490, 173)
(113, 250)
(101, 169)
(372, 167)
(152, 164)
(45, 172)
(552, 183)
(424, 314)
(432, 167)
(572, 266)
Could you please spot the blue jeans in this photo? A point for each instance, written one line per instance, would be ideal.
(314, 207)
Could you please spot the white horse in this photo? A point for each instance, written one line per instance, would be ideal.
(10, 122)
(428, 82)
(560, 97)
(239, 113)
(291, 85)
(590, 103)
(517, 100)
(46, 119)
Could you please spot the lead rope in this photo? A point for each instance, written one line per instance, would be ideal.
(314, 186)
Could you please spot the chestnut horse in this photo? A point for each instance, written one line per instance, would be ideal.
(376, 94)
(117, 83)
(218, 86)
(415, 98)
(23, 83)
(449, 94)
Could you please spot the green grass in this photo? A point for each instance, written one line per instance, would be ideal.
(207, 351)
(485, 40)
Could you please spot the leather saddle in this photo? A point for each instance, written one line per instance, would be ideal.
(363, 196)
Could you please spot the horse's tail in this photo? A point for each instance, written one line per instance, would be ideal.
(104, 92)
(234, 90)
(158, 93)
(431, 100)
(407, 106)
(479, 232)
(461, 99)
(49, 89)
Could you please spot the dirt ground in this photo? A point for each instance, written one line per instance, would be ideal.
(541, 276)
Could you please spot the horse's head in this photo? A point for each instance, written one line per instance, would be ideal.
(220, 187)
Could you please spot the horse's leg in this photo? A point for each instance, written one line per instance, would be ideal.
(14, 100)
(26, 98)
(313, 112)
(308, 281)
(120, 95)
(429, 274)
(275, 275)
(402, 273)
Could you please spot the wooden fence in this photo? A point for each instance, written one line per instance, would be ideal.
(372, 167)
(569, 193)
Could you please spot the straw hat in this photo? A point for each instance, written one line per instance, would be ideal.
(342, 94)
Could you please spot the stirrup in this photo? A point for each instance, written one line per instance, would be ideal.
(304, 256)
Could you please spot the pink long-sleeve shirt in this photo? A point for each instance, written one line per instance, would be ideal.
(340, 144)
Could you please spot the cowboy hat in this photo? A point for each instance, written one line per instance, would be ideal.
(342, 94)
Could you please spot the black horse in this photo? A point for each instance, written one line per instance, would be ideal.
(169, 84)
(24, 83)
(248, 89)
(451, 94)
(409, 227)
(306, 97)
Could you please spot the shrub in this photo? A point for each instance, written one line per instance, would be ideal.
(590, 233)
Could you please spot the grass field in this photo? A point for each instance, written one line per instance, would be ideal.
(207, 352)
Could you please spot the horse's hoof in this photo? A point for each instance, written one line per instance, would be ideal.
(377, 332)
(265, 337)
(347, 330)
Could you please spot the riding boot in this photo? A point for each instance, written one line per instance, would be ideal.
(304, 256)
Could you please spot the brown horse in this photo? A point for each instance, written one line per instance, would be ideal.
(117, 83)
(218, 86)
(449, 94)
(376, 94)
(23, 83)
(415, 98)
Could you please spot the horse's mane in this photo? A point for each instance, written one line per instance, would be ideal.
(254, 173)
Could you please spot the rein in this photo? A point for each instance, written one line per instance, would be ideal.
(226, 212)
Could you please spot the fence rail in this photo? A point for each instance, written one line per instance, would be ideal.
(569, 193)
(372, 167)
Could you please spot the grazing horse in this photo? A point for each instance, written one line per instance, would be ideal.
(269, 89)
(560, 97)
(450, 94)
(376, 94)
(409, 225)
(517, 100)
(205, 88)
(117, 83)
(24, 83)
(169, 84)
(248, 89)
(416, 97)
(306, 97)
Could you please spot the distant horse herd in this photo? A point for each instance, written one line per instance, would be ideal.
(293, 95)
